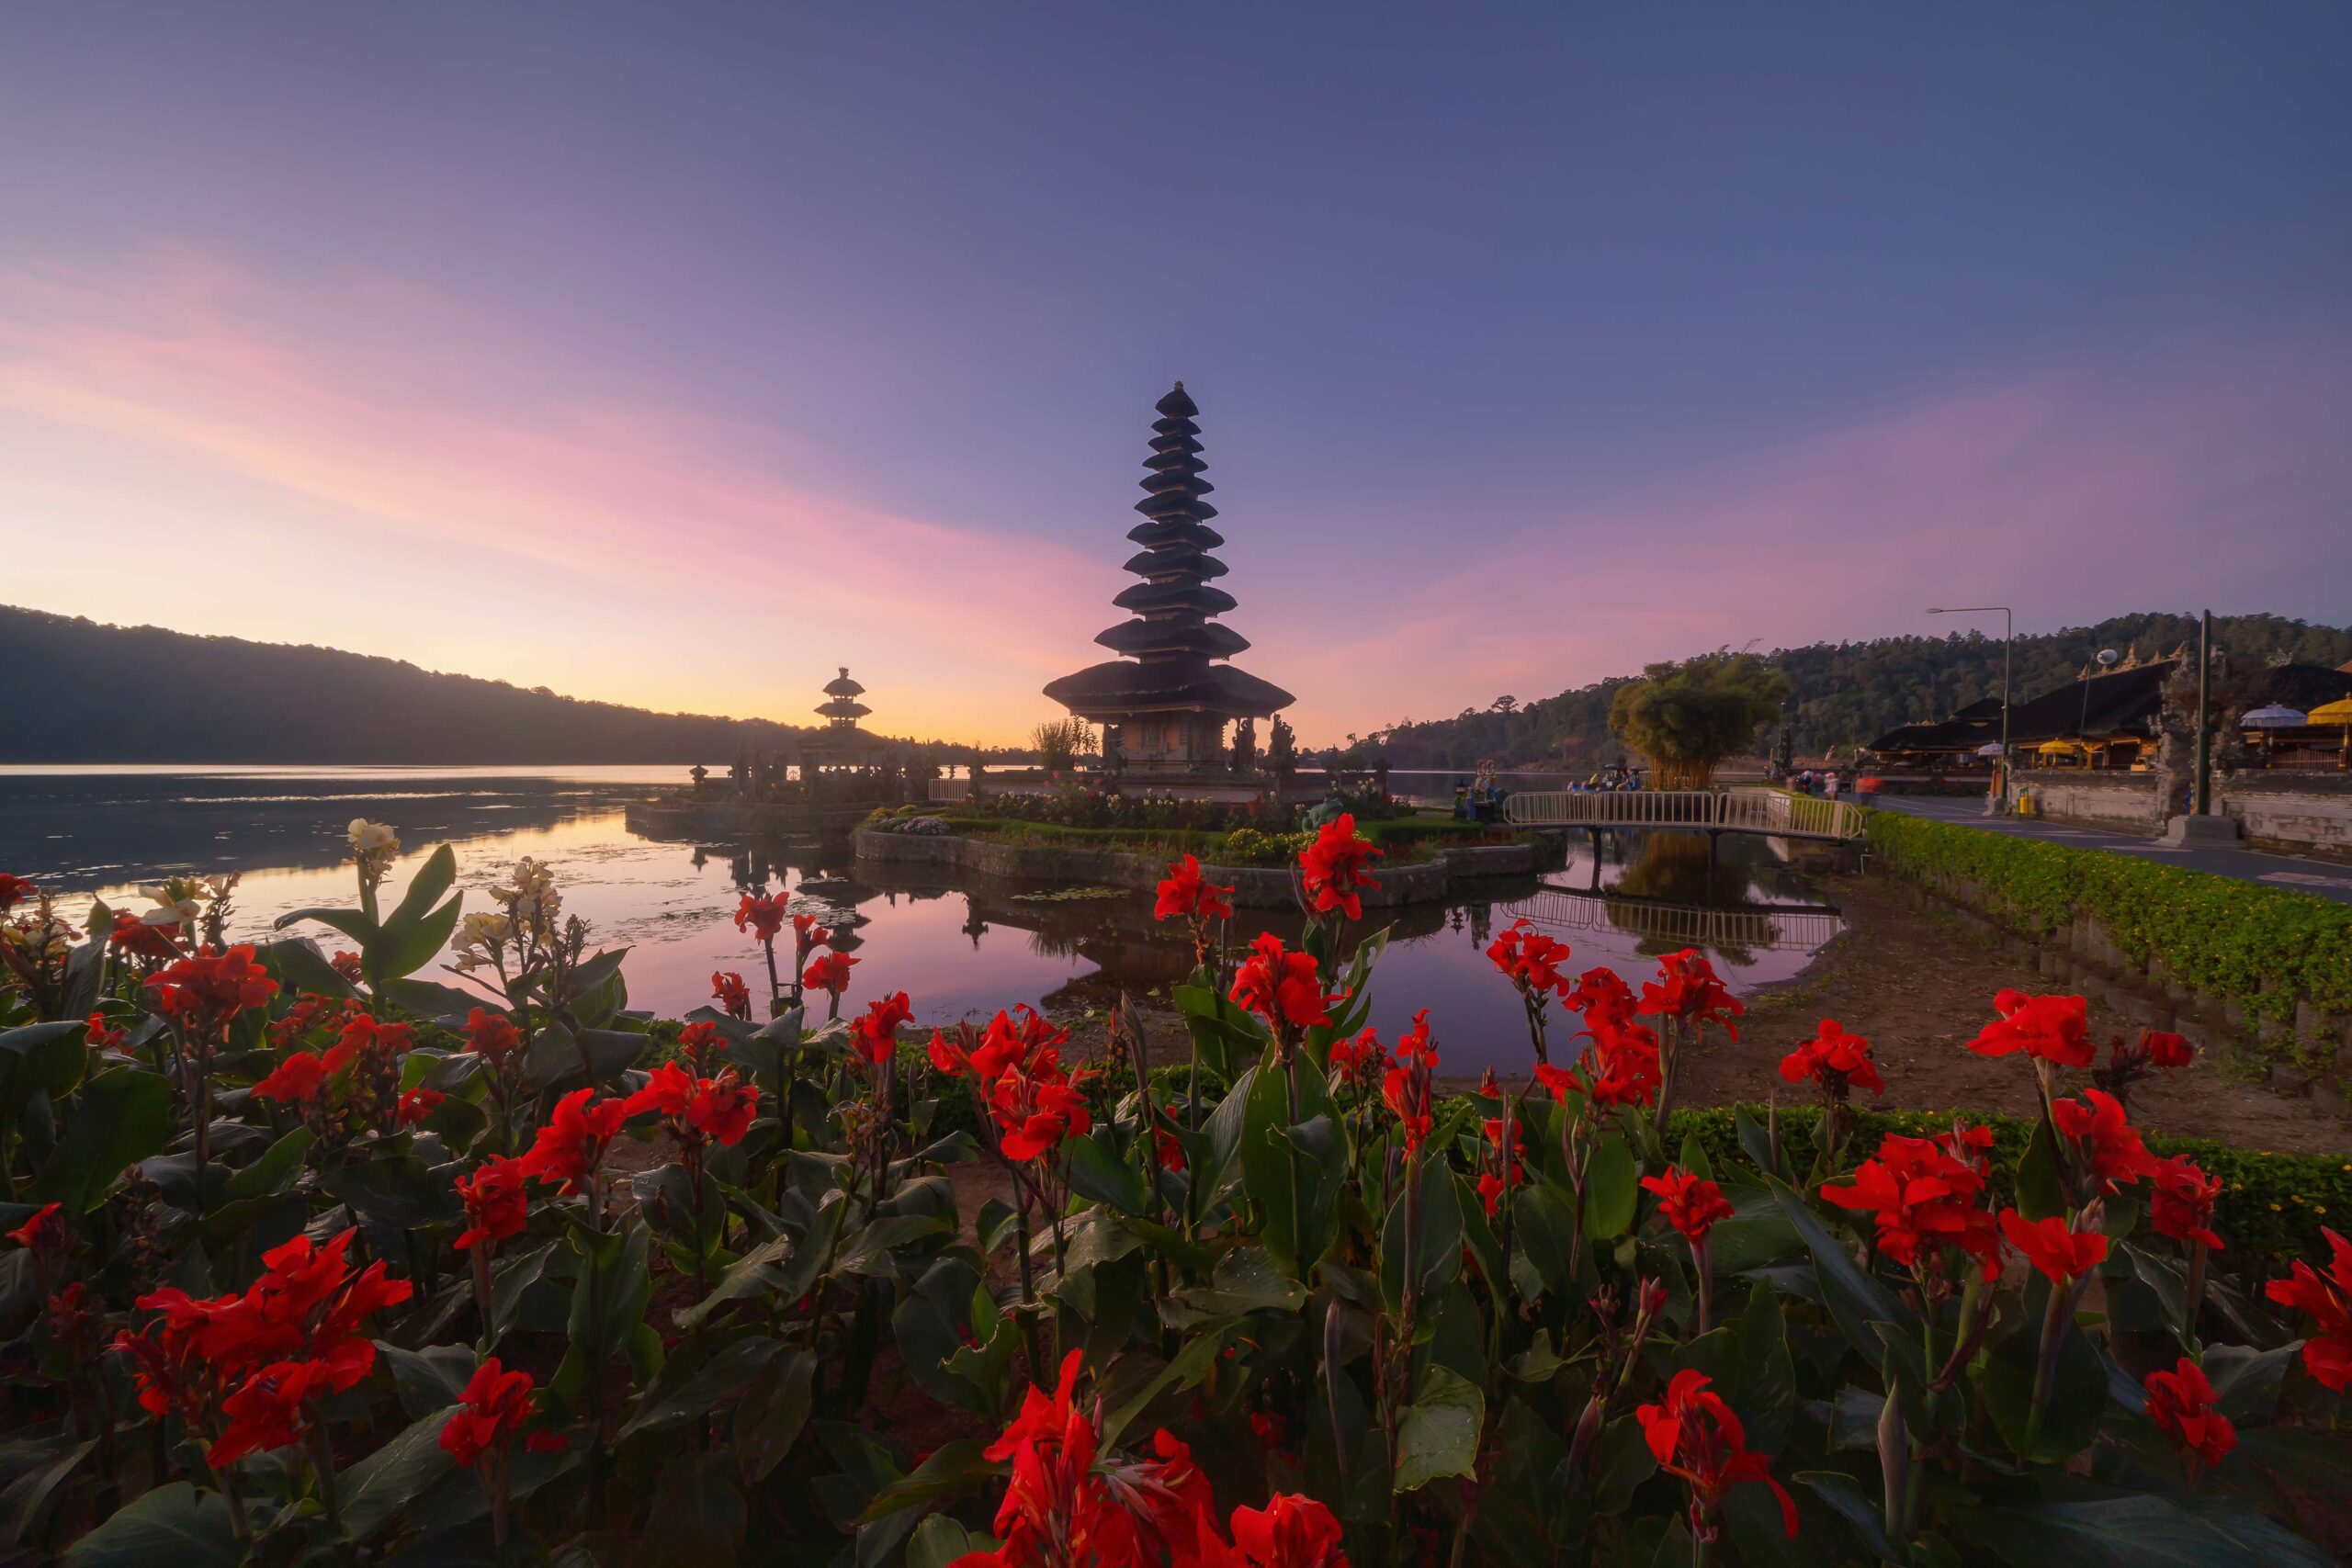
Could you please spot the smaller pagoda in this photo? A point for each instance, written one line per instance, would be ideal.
(841, 744)
(1165, 707)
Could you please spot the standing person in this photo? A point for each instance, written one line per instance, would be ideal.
(1829, 783)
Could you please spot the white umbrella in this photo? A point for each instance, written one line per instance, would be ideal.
(1990, 749)
(2272, 718)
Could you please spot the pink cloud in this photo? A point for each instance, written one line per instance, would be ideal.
(2072, 493)
(185, 357)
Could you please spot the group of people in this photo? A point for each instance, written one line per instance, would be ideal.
(1822, 782)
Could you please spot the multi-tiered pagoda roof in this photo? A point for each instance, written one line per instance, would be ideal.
(1170, 644)
(841, 707)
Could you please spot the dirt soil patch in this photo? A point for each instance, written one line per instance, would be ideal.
(1916, 977)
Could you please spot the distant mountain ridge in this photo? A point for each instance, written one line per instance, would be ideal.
(1850, 693)
(75, 690)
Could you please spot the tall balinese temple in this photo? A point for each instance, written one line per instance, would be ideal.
(1164, 707)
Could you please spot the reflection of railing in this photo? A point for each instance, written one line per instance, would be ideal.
(1800, 928)
(1764, 811)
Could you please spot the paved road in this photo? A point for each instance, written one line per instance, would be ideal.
(2305, 875)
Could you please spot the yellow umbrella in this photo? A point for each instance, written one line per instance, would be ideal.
(2338, 712)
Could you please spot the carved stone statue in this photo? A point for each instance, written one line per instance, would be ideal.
(1245, 746)
(1282, 750)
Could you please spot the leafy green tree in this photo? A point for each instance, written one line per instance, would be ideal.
(1687, 718)
(1059, 742)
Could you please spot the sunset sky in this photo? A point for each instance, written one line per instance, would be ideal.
(675, 354)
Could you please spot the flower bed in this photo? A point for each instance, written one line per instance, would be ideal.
(292, 1277)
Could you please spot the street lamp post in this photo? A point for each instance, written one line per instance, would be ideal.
(1996, 804)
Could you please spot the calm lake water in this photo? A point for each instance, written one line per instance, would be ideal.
(958, 948)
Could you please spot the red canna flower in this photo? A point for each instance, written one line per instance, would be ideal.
(309, 1013)
(2107, 1144)
(2062, 1253)
(2327, 1354)
(761, 915)
(136, 939)
(1290, 1531)
(1501, 1171)
(205, 992)
(1835, 1061)
(1604, 999)
(1531, 960)
(728, 987)
(1356, 1060)
(1686, 989)
(496, 1204)
(1282, 988)
(296, 1081)
(571, 1144)
(808, 936)
(1168, 1147)
(1405, 1088)
(1621, 1068)
(1024, 1037)
(2053, 1029)
(1067, 1505)
(1184, 894)
(496, 1408)
(1693, 1435)
(1034, 1114)
(700, 1044)
(2164, 1049)
(100, 1035)
(263, 1358)
(1335, 868)
(491, 1036)
(829, 973)
(347, 964)
(1691, 1203)
(1925, 1201)
(2180, 1403)
(45, 1235)
(416, 1105)
(2182, 1207)
(14, 890)
(273, 1410)
(875, 1037)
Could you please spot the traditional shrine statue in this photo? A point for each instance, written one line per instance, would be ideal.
(1245, 746)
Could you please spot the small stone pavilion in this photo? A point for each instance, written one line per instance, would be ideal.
(1165, 706)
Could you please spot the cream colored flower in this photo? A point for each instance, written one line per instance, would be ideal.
(532, 899)
(175, 899)
(373, 838)
(479, 937)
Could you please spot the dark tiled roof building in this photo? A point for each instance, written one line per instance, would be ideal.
(1164, 703)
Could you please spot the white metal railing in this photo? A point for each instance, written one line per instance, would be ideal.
(1764, 811)
(1686, 925)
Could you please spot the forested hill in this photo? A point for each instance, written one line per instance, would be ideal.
(73, 691)
(1850, 693)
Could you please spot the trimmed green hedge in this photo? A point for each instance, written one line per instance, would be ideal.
(2264, 948)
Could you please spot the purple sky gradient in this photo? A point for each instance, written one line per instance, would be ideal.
(677, 355)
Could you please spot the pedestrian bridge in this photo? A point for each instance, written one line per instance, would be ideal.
(1767, 812)
(1788, 928)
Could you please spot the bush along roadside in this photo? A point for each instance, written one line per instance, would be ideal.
(288, 1279)
(2264, 949)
